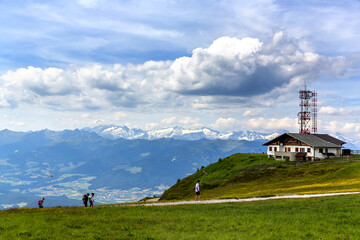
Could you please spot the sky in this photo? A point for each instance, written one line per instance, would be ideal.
(225, 64)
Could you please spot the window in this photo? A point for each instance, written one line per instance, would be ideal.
(275, 149)
(296, 149)
(270, 148)
(289, 149)
(302, 150)
(309, 150)
(326, 150)
(320, 150)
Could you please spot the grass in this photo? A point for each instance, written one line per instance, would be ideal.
(321, 218)
(241, 175)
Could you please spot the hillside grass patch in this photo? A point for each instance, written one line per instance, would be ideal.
(241, 175)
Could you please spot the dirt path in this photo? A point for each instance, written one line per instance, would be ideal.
(218, 201)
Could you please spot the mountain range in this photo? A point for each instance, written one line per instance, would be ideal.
(114, 132)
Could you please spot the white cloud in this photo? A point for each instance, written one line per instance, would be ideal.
(286, 123)
(119, 115)
(343, 127)
(133, 170)
(229, 71)
(328, 110)
(226, 124)
(189, 121)
(17, 124)
(253, 113)
(150, 126)
(168, 121)
(88, 3)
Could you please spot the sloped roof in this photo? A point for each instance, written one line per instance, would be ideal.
(330, 139)
(314, 140)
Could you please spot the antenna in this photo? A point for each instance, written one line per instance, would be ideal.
(314, 112)
(308, 110)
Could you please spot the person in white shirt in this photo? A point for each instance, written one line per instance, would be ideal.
(197, 191)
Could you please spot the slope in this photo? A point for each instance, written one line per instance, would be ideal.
(241, 175)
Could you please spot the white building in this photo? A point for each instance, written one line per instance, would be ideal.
(303, 147)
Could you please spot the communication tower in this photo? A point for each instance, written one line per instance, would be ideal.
(308, 111)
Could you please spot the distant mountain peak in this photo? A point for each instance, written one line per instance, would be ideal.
(114, 132)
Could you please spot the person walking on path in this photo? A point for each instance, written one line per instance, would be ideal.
(197, 191)
(92, 200)
(41, 202)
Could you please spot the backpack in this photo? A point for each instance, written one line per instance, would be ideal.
(40, 202)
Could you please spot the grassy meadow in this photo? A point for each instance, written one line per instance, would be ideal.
(239, 175)
(242, 176)
(317, 218)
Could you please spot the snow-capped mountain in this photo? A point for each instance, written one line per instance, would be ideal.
(350, 142)
(114, 132)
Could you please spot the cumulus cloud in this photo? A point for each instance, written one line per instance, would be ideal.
(343, 127)
(252, 113)
(119, 115)
(272, 124)
(328, 110)
(226, 124)
(168, 121)
(230, 71)
(247, 67)
(150, 126)
(189, 121)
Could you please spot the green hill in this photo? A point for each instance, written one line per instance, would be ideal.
(241, 176)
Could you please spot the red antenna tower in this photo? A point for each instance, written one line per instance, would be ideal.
(308, 110)
(314, 112)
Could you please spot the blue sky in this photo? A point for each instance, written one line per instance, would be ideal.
(228, 65)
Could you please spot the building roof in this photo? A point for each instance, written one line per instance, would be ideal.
(314, 140)
(330, 139)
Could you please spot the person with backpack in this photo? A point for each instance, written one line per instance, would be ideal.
(85, 199)
(92, 200)
(41, 202)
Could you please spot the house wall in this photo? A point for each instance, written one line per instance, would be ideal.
(282, 151)
(335, 151)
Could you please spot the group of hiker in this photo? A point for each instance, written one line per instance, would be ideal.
(86, 198)
(89, 198)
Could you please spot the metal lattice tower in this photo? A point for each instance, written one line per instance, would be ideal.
(314, 112)
(308, 110)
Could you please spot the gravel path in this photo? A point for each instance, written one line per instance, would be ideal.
(233, 200)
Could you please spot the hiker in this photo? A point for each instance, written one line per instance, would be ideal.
(40, 203)
(92, 200)
(85, 199)
(197, 191)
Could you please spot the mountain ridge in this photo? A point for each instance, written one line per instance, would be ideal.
(114, 132)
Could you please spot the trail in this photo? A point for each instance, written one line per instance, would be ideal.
(239, 200)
